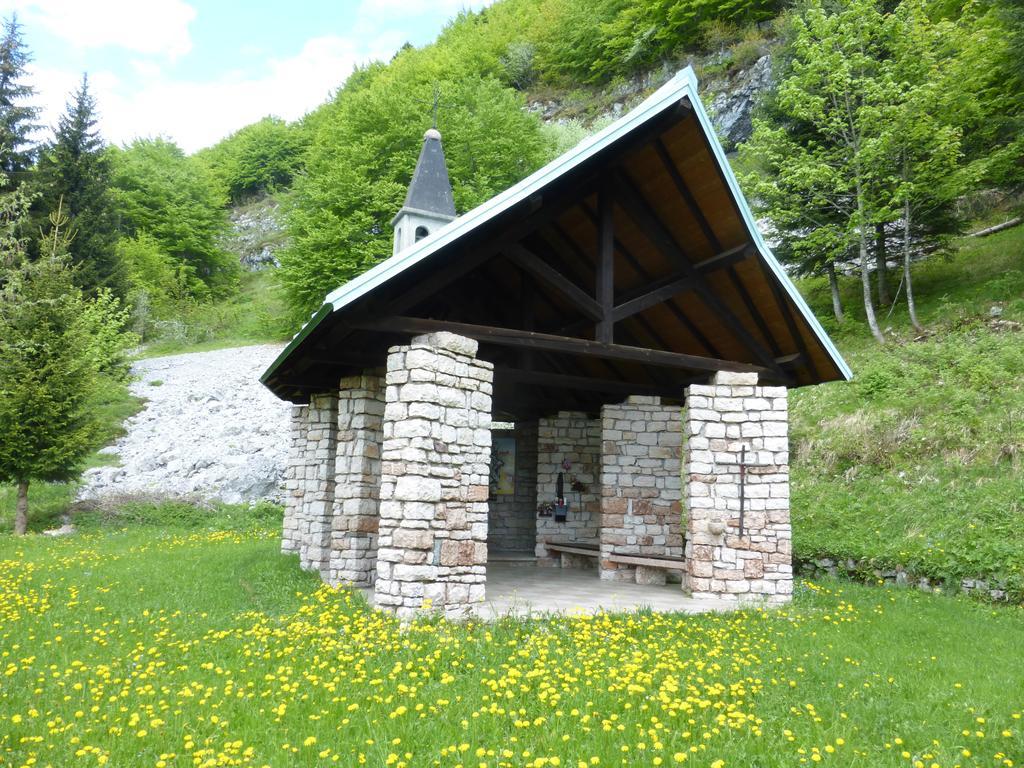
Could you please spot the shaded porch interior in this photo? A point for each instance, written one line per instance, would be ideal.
(619, 473)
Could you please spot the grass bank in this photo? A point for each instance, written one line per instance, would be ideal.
(256, 314)
(919, 462)
(195, 643)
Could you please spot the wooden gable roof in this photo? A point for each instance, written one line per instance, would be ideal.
(630, 265)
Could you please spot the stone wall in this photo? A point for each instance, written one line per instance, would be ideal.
(575, 437)
(353, 558)
(432, 544)
(295, 480)
(721, 420)
(318, 494)
(512, 520)
(641, 485)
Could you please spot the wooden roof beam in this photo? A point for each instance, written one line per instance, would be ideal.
(589, 383)
(543, 271)
(681, 316)
(565, 344)
(680, 282)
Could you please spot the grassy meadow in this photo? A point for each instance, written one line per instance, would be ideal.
(919, 462)
(173, 638)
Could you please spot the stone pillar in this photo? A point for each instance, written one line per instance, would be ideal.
(730, 414)
(318, 494)
(575, 438)
(353, 558)
(434, 477)
(295, 480)
(641, 488)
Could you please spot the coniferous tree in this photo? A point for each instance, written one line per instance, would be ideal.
(74, 172)
(55, 347)
(17, 120)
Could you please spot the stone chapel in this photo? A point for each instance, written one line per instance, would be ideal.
(589, 371)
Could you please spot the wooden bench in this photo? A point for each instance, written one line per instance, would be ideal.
(574, 548)
(586, 549)
(650, 569)
(650, 561)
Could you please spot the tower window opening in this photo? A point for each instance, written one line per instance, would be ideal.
(421, 232)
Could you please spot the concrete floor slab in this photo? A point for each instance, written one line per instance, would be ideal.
(517, 590)
(522, 589)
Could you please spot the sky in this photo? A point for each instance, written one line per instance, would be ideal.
(197, 70)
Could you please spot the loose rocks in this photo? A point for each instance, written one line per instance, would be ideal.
(209, 431)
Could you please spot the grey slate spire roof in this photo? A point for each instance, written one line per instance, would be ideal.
(430, 190)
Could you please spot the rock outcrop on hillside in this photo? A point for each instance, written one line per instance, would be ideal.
(732, 94)
(735, 98)
(256, 233)
(209, 432)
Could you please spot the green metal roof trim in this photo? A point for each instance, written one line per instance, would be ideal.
(683, 84)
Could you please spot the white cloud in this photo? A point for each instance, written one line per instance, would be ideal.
(151, 27)
(143, 99)
(197, 114)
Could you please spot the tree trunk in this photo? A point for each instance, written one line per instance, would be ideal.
(21, 511)
(833, 284)
(865, 276)
(911, 307)
(881, 267)
(865, 279)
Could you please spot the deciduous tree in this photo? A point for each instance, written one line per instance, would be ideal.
(835, 93)
(362, 158)
(175, 200)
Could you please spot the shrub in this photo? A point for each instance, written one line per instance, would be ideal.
(518, 65)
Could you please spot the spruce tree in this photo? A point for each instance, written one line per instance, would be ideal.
(17, 120)
(57, 349)
(46, 425)
(74, 174)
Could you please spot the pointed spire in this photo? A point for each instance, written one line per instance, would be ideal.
(428, 203)
(430, 190)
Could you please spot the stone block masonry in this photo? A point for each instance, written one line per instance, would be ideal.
(574, 437)
(353, 557)
(722, 419)
(295, 480)
(318, 482)
(641, 487)
(435, 465)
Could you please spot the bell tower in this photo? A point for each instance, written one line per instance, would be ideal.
(428, 203)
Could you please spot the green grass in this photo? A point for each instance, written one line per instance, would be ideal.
(919, 462)
(256, 314)
(193, 642)
(49, 501)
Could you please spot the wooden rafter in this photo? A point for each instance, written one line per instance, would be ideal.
(543, 271)
(640, 211)
(679, 314)
(676, 283)
(605, 287)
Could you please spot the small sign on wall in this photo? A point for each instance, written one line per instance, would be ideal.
(503, 466)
